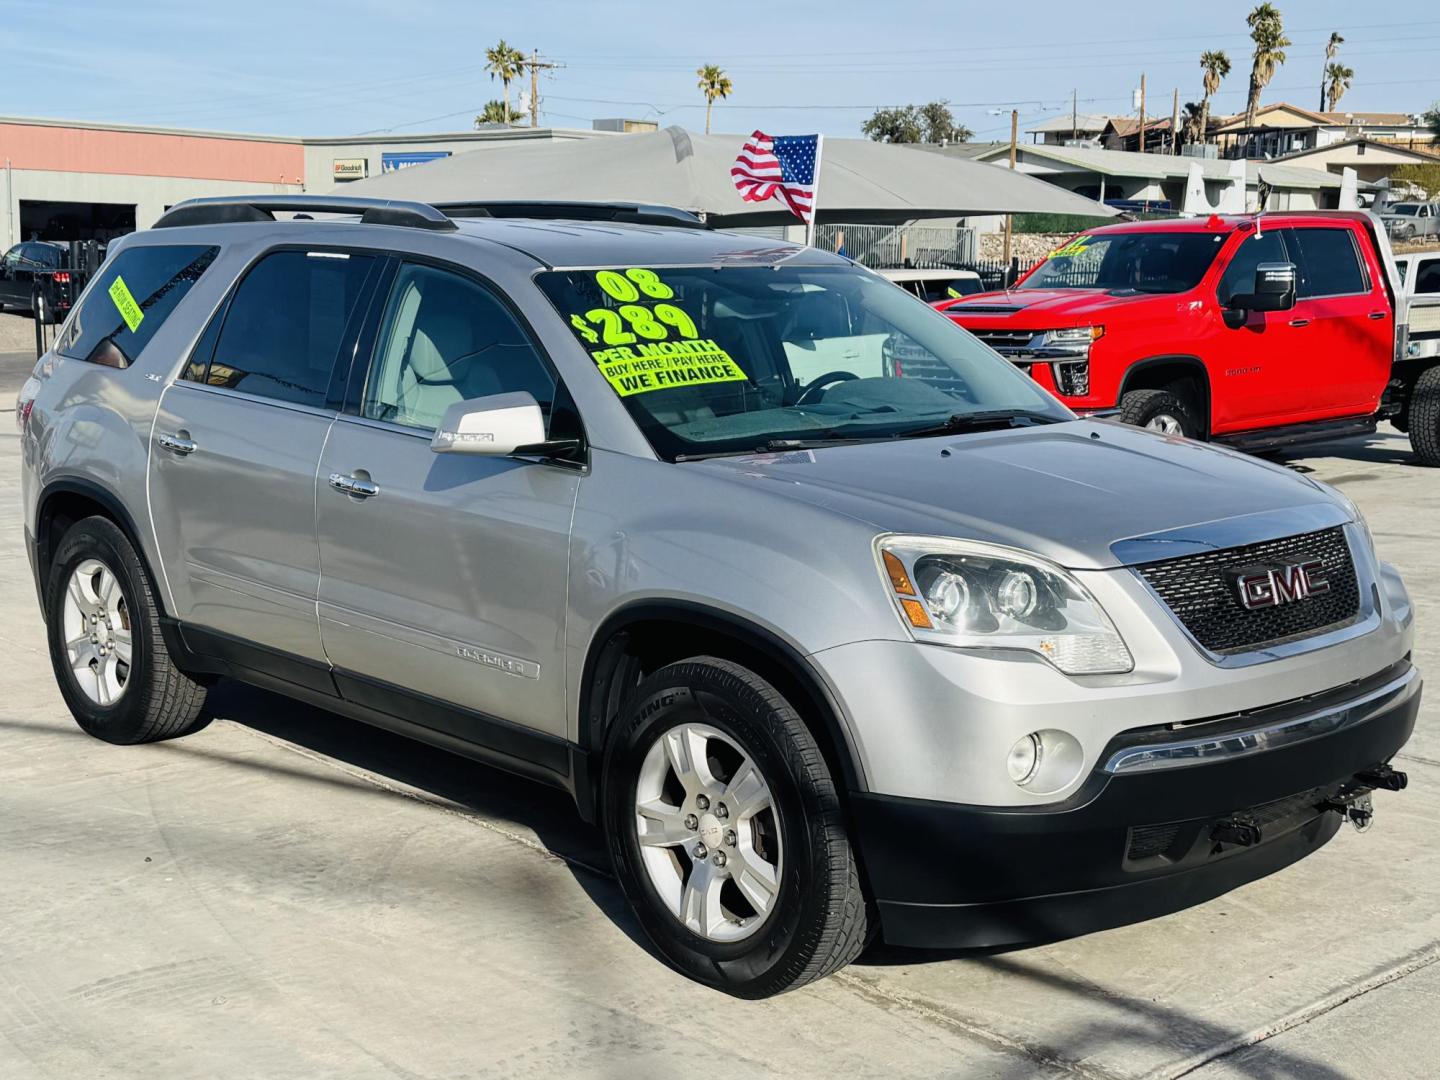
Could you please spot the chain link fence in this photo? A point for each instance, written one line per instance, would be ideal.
(883, 247)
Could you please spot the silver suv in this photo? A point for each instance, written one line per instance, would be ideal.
(838, 625)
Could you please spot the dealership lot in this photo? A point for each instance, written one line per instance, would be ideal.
(290, 894)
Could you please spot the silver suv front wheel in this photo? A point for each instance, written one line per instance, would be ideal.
(727, 832)
(709, 840)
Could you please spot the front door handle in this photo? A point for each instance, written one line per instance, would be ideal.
(181, 443)
(1299, 322)
(360, 486)
(1377, 315)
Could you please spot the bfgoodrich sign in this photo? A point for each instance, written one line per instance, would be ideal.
(351, 168)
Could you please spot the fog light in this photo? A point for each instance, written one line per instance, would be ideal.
(1023, 761)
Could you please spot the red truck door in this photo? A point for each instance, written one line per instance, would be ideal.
(1259, 369)
(1344, 317)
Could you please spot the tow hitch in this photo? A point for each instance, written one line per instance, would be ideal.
(1353, 801)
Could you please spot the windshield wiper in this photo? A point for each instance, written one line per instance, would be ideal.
(773, 446)
(982, 419)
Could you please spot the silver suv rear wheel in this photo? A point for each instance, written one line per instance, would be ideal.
(97, 632)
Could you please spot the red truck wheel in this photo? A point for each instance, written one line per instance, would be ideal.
(1425, 417)
(1159, 410)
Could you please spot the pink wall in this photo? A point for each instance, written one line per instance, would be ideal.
(74, 149)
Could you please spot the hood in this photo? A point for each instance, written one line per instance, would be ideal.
(1054, 304)
(1065, 491)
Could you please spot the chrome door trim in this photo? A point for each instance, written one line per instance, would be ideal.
(1227, 747)
(482, 655)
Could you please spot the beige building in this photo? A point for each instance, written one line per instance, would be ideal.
(1372, 160)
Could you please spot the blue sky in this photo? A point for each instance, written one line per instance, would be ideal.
(306, 67)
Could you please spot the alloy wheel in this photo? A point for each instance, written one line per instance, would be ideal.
(709, 833)
(1166, 424)
(98, 641)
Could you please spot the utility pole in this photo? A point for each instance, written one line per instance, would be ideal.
(535, 64)
(1175, 123)
(1074, 117)
(1142, 112)
(1009, 218)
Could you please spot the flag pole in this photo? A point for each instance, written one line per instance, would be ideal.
(815, 200)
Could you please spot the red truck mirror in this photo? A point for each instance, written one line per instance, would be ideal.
(1274, 291)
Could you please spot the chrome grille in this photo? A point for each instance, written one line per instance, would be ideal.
(1198, 589)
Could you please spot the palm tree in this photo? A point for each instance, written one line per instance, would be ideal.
(714, 83)
(1192, 123)
(506, 63)
(1214, 66)
(1338, 78)
(1268, 34)
(494, 113)
(1331, 48)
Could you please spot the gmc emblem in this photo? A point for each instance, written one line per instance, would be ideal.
(1271, 586)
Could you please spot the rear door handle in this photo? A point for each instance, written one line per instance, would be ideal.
(1377, 315)
(360, 487)
(1299, 322)
(181, 444)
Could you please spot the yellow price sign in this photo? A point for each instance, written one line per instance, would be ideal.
(125, 304)
(649, 366)
(1074, 247)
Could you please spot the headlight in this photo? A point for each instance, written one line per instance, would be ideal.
(979, 596)
(1072, 337)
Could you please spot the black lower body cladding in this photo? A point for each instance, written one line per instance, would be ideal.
(1127, 848)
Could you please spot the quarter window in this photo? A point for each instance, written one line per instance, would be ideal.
(284, 326)
(1427, 277)
(445, 339)
(130, 300)
(1327, 263)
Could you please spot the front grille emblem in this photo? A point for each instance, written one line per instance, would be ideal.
(1270, 586)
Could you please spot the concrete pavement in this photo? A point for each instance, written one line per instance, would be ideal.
(289, 894)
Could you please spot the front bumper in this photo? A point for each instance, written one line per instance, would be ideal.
(1128, 846)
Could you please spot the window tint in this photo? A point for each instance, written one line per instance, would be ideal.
(1427, 277)
(1327, 262)
(284, 325)
(1239, 276)
(130, 300)
(43, 255)
(447, 339)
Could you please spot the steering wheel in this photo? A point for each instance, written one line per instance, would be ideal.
(830, 378)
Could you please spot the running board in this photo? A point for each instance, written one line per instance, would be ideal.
(1274, 438)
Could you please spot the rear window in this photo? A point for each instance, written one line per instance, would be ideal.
(1327, 262)
(133, 296)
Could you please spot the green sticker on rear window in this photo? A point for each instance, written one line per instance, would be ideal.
(125, 304)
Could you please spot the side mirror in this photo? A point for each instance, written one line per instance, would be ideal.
(495, 426)
(1274, 291)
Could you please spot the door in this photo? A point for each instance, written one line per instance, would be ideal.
(235, 448)
(1259, 363)
(1345, 319)
(447, 580)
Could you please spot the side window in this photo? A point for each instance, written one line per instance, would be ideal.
(284, 324)
(12, 257)
(1328, 263)
(1239, 276)
(130, 300)
(44, 255)
(445, 339)
(1427, 277)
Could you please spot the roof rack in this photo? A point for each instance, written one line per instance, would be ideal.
(226, 209)
(627, 212)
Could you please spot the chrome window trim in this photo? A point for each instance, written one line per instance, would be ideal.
(259, 399)
(1228, 747)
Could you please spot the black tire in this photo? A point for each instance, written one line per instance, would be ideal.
(1141, 408)
(818, 920)
(1423, 415)
(158, 700)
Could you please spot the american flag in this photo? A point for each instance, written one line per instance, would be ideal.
(779, 168)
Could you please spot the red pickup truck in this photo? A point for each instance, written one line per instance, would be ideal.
(1261, 331)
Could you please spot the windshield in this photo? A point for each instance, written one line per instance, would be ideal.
(713, 360)
(1408, 209)
(1147, 262)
